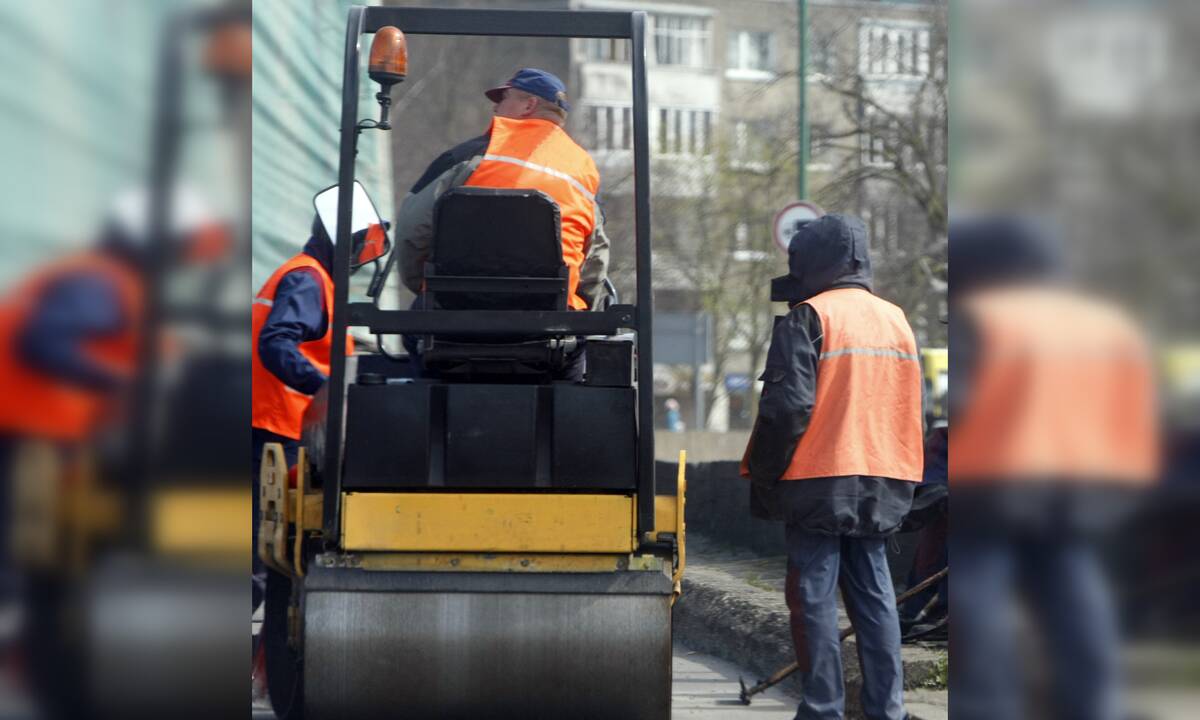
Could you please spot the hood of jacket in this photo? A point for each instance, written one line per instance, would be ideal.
(1001, 250)
(829, 252)
(320, 246)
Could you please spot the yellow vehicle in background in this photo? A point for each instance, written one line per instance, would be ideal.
(935, 370)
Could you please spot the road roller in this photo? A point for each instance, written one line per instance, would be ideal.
(469, 535)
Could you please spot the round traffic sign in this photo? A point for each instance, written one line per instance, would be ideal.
(790, 218)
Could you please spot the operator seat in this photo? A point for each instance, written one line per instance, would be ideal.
(495, 249)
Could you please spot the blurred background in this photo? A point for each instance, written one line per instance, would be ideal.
(1073, 341)
(124, 338)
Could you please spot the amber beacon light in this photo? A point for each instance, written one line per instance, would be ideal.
(388, 64)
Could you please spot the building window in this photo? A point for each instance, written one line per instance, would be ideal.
(822, 55)
(681, 40)
(879, 141)
(682, 131)
(751, 54)
(606, 49)
(607, 127)
(894, 50)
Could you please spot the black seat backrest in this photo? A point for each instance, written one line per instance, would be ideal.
(488, 233)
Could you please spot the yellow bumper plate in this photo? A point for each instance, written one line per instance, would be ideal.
(487, 522)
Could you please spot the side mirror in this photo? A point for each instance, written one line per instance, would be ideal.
(387, 65)
(368, 231)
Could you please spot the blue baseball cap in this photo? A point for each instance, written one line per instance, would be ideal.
(543, 84)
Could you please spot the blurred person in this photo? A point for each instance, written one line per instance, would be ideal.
(525, 147)
(1053, 402)
(673, 419)
(70, 335)
(836, 454)
(70, 332)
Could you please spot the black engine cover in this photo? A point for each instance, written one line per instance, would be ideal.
(433, 435)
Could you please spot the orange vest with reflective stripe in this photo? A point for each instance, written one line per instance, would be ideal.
(275, 406)
(35, 404)
(1062, 390)
(866, 417)
(538, 154)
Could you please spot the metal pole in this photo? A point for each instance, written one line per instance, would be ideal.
(802, 114)
(645, 298)
(341, 275)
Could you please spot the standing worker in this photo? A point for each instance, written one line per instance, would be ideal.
(836, 453)
(293, 343)
(525, 147)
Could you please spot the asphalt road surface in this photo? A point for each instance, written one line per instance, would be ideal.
(704, 688)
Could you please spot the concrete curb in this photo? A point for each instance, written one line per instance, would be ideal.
(723, 614)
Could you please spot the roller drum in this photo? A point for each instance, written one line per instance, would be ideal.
(487, 645)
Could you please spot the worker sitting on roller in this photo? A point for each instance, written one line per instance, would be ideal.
(525, 147)
(836, 453)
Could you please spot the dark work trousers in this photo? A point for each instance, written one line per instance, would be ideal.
(260, 438)
(1069, 602)
(572, 371)
(817, 566)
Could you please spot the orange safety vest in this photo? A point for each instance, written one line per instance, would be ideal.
(1062, 390)
(275, 406)
(539, 155)
(38, 405)
(866, 417)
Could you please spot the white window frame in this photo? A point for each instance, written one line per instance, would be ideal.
(598, 139)
(879, 49)
(686, 134)
(870, 139)
(740, 39)
(696, 41)
(610, 50)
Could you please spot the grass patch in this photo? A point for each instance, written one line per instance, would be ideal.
(938, 678)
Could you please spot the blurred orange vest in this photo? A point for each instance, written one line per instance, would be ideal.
(275, 406)
(1062, 390)
(866, 417)
(540, 155)
(38, 405)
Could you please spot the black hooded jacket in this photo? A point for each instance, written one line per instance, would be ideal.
(828, 253)
(298, 316)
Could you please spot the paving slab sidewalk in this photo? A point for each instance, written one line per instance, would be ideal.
(732, 607)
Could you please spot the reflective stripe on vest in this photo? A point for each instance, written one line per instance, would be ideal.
(1062, 390)
(866, 417)
(275, 406)
(37, 405)
(538, 154)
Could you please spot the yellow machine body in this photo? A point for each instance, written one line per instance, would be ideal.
(487, 522)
